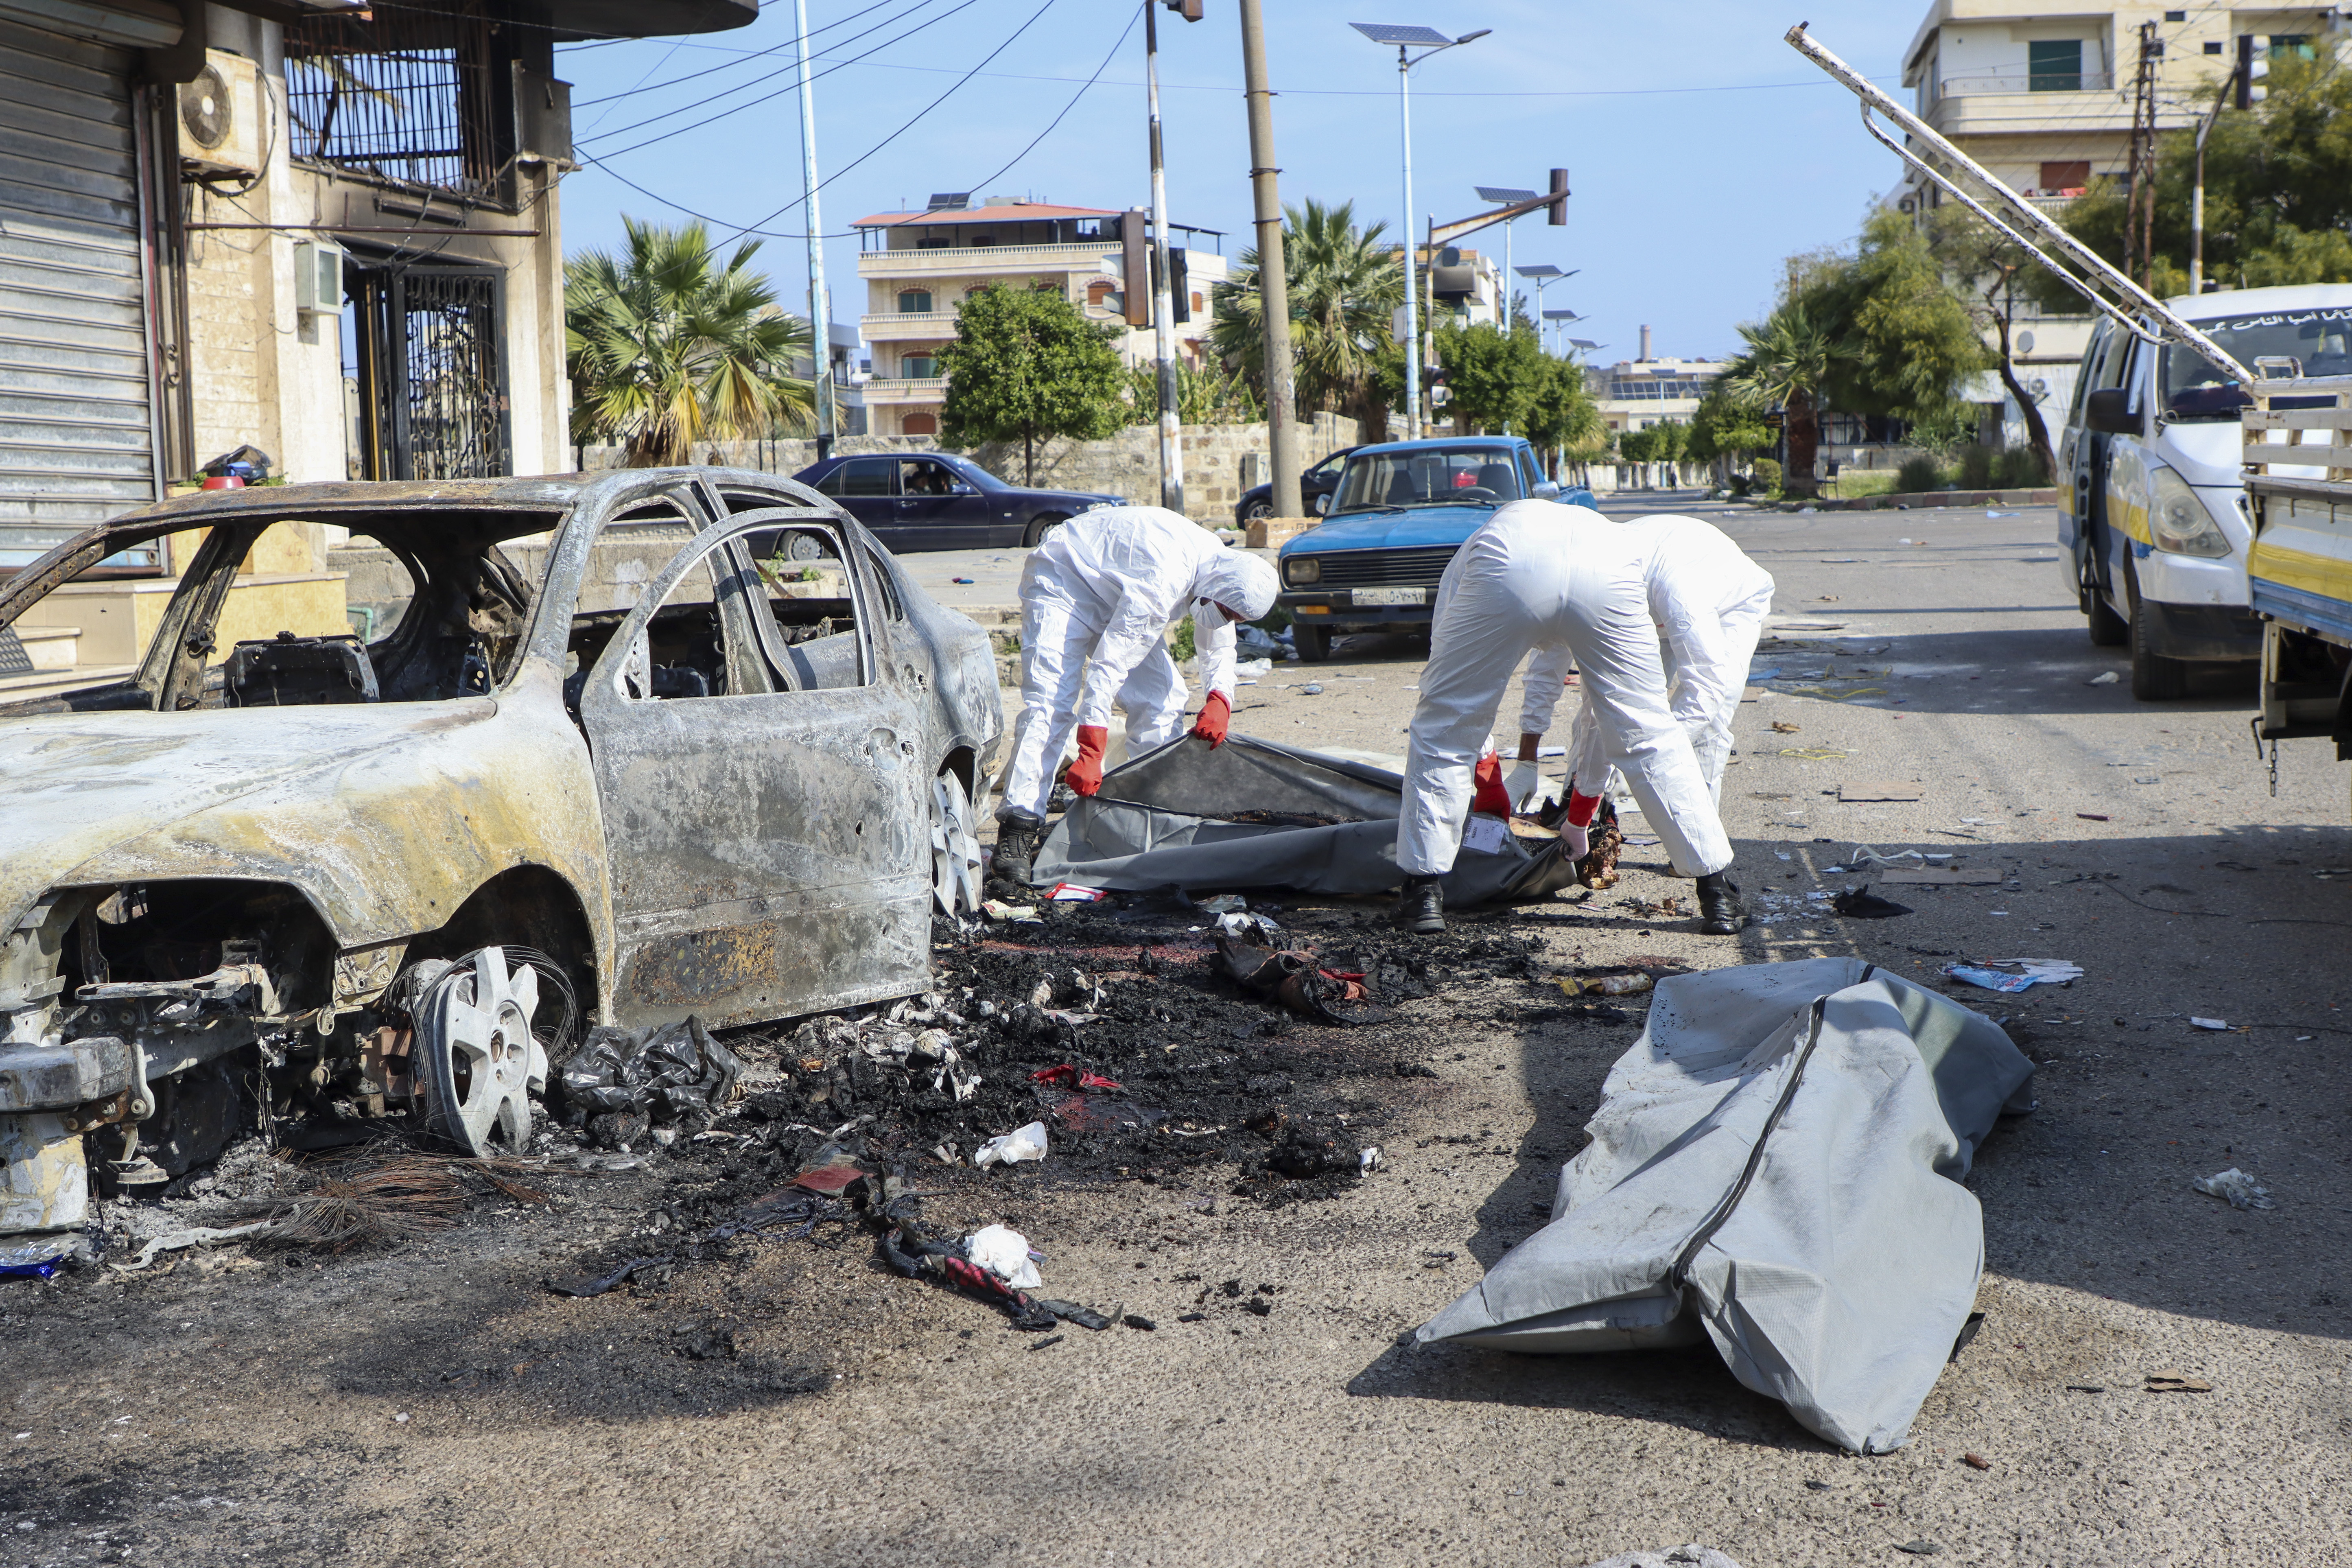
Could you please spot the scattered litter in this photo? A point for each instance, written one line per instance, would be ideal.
(2086, 1388)
(1975, 1461)
(2171, 1382)
(1071, 893)
(1816, 753)
(998, 909)
(1225, 904)
(1606, 984)
(1048, 1341)
(1862, 904)
(1544, 752)
(1293, 977)
(1877, 790)
(1691, 1556)
(1255, 667)
(2107, 679)
(622, 1081)
(1943, 877)
(2012, 975)
(1135, 1321)
(1003, 1251)
(1371, 1160)
(1311, 688)
(966, 581)
(2237, 1187)
(2216, 1024)
(42, 1257)
(1782, 727)
(194, 1235)
(1920, 1548)
(2092, 815)
(1020, 1144)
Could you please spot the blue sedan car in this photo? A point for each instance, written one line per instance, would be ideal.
(1401, 510)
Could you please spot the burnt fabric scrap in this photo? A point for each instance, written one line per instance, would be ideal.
(665, 1072)
(1294, 977)
(1775, 1167)
(1252, 815)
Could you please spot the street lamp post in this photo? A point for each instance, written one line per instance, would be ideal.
(820, 308)
(1543, 275)
(1163, 299)
(1430, 41)
(1504, 196)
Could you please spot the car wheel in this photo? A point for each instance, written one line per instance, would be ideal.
(1313, 643)
(477, 1057)
(1257, 511)
(2108, 630)
(2154, 678)
(955, 850)
(1042, 528)
(804, 547)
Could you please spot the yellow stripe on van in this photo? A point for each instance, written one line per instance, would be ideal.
(2131, 517)
(2329, 576)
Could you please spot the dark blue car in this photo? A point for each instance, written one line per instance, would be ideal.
(936, 501)
(1401, 510)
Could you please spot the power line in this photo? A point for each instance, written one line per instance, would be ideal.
(789, 87)
(746, 54)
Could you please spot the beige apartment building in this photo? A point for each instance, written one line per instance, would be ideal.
(2042, 95)
(920, 267)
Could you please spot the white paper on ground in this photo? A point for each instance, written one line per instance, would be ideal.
(1003, 1252)
(1020, 1144)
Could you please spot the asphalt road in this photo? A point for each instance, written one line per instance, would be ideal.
(222, 1417)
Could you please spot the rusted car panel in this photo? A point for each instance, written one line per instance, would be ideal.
(715, 799)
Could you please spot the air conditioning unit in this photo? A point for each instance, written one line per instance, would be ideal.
(220, 118)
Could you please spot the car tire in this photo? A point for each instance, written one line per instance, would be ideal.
(1257, 511)
(1313, 643)
(2154, 678)
(2108, 630)
(1041, 529)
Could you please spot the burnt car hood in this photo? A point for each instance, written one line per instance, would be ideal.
(335, 800)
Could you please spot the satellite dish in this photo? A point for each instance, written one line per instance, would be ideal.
(204, 108)
(2025, 342)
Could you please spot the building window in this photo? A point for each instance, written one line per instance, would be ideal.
(2176, 15)
(920, 425)
(2067, 176)
(2296, 44)
(403, 95)
(918, 367)
(2053, 65)
(914, 301)
(1098, 291)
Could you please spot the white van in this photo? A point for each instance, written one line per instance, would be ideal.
(2151, 502)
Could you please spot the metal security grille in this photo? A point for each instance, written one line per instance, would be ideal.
(1383, 568)
(404, 96)
(432, 373)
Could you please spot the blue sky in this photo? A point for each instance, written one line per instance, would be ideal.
(1702, 150)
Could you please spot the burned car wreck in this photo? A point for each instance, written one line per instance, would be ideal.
(666, 742)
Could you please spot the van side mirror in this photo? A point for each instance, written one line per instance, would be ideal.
(2109, 412)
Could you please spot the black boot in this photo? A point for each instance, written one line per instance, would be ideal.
(1016, 848)
(1721, 910)
(1421, 907)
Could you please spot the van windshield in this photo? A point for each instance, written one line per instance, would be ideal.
(2320, 341)
(1428, 476)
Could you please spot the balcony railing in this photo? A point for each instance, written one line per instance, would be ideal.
(883, 324)
(984, 258)
(1975, 84)
(906, 386)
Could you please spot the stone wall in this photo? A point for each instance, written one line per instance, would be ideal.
(1127, 464)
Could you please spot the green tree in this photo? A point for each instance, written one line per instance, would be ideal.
(1670, 443)
(1993, 274)
(1726, 429)
(665, 348)
(1494, 376)
(1210, 395)
(1788, 363)
(1562, 418)
(2278, 192)
(1343, 286)
(1909, 341)
(1027, 366)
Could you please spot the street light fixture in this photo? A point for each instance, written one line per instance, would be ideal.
(1543, 275)
(1430, 41)
(1504, 196)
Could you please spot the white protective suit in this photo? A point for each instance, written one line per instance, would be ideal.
(1710, 600)
(1568, 580)
(1095, 599)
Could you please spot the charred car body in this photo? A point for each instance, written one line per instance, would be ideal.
(629, 748)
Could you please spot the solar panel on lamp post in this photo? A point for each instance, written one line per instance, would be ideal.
(1504, 196)
(1543, 275)
(1563, 318)
(1430, 41)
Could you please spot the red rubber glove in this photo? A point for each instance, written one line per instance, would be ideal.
(1085, 775)
(1582, 808)
(1216, 718)
(1489, 796)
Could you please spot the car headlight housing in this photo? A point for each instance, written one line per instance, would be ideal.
(2178, 521)
(1097, 505)
(1301, 570)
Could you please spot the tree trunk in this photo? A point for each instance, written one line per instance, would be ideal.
(1804, 446)
(1029, 456)
(2037, 431)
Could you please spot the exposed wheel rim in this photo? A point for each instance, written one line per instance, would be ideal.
(477, 1059)
(955, 850)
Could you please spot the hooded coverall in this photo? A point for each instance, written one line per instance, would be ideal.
(1710, 600)
(1095, 599)
(1564, 579)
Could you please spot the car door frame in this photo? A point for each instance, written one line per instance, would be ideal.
(725, 903)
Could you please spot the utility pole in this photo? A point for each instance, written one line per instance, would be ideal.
(1273, 281)
(1163, 296)
(2139, 215)
(820, 314)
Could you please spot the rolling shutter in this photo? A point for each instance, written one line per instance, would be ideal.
(76, 440)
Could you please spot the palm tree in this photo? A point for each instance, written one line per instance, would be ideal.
(1344, 288)
(1789, 360)
(665, 348)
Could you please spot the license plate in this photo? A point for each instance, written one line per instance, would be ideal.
(1390, 595)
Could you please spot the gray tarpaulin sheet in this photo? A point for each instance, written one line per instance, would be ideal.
(1775, 1167)
(1164, 819)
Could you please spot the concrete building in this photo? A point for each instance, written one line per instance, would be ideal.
(1638, 393)
(920, 267)
(2041, 95)
(326, 232)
